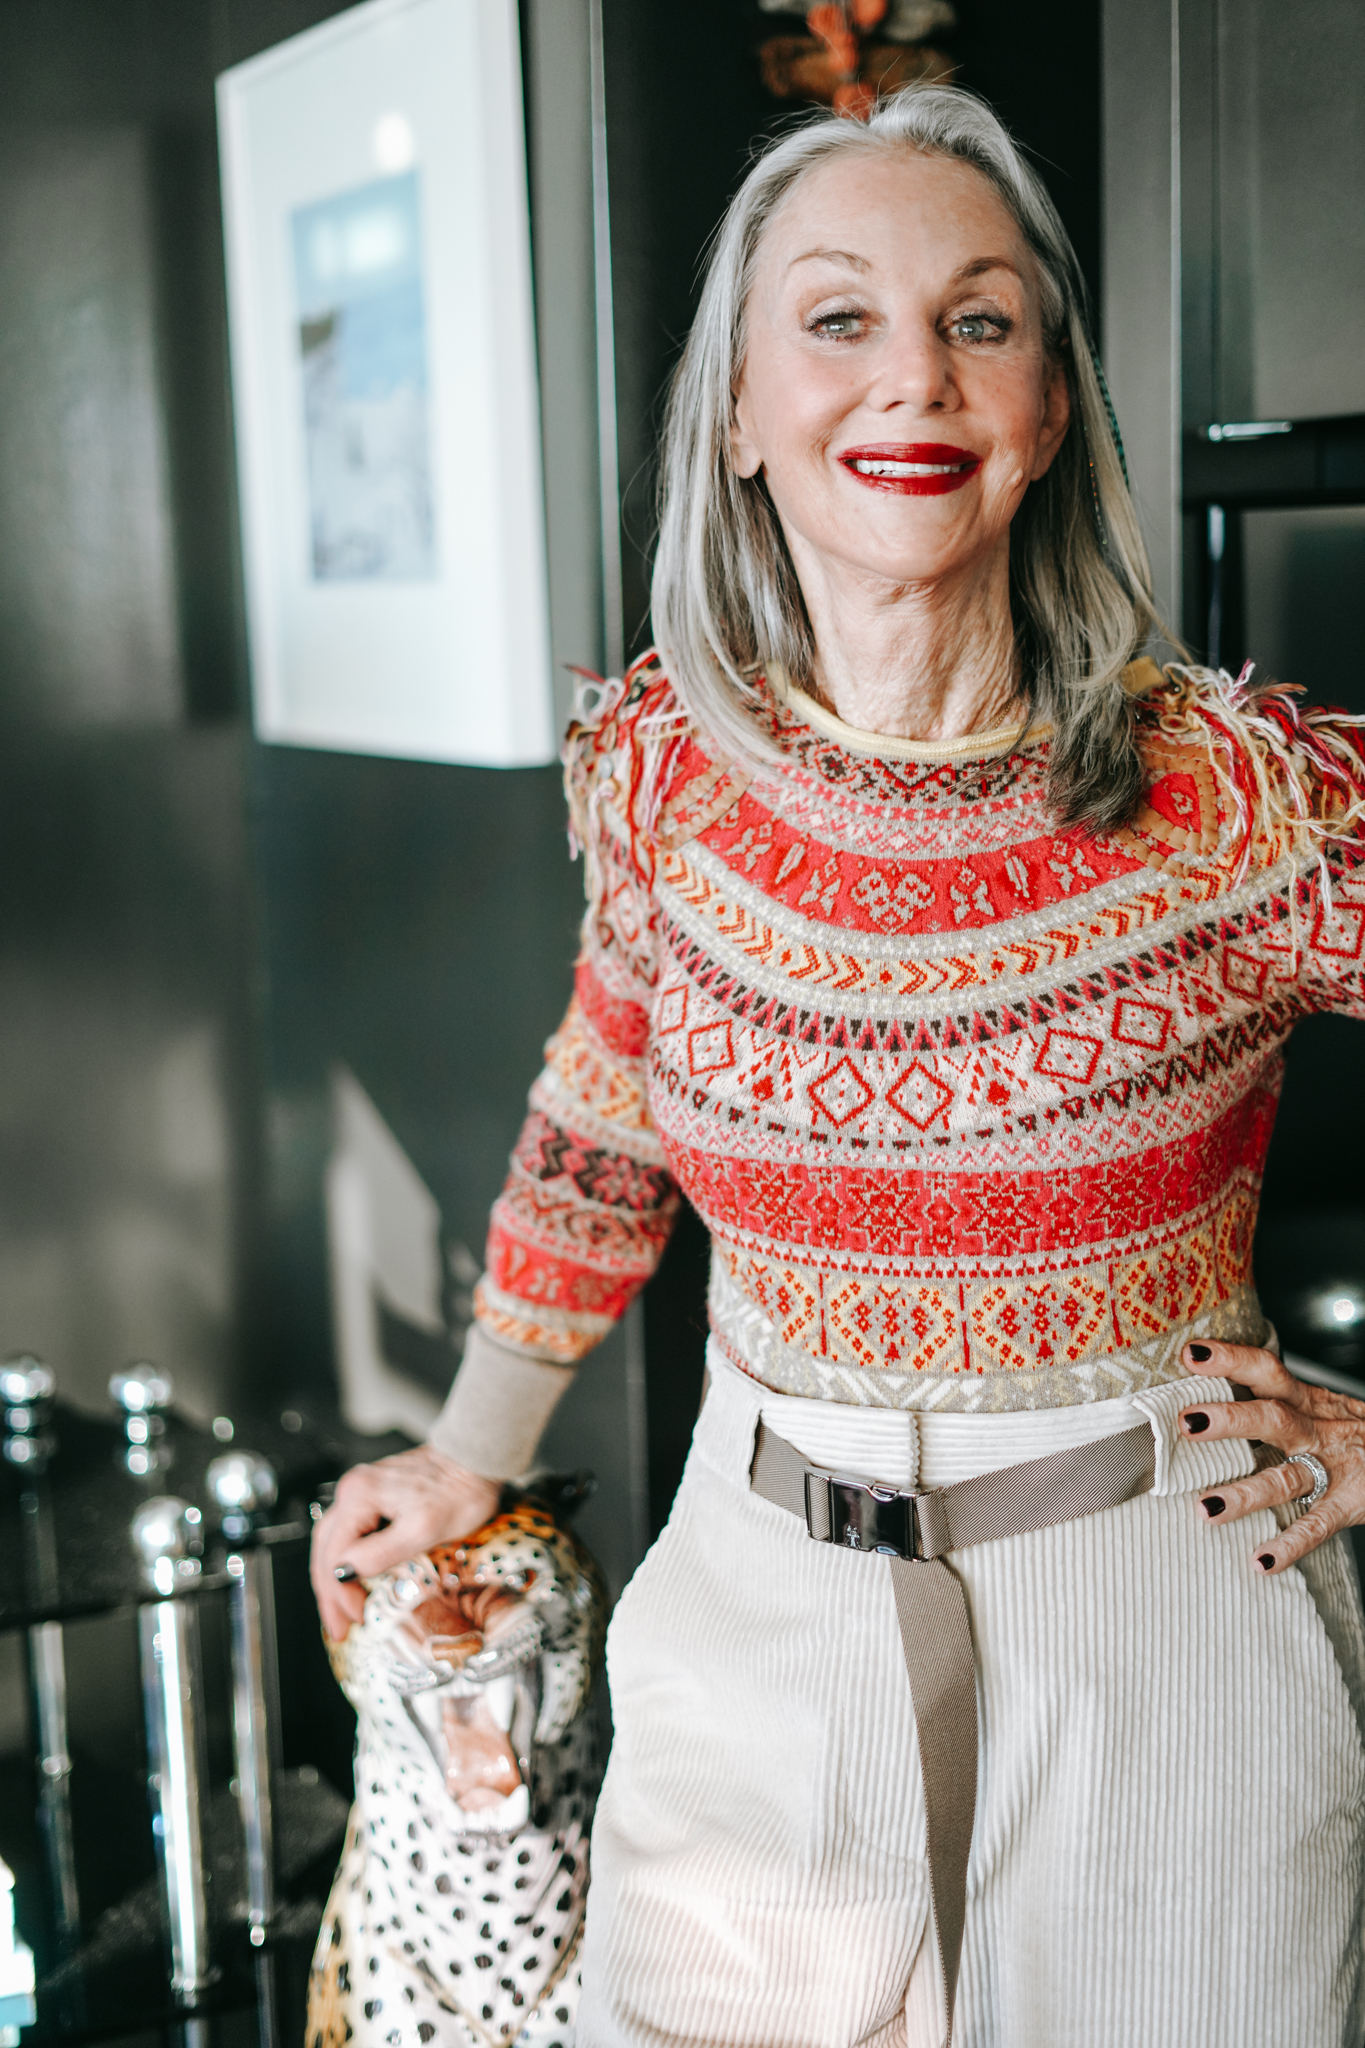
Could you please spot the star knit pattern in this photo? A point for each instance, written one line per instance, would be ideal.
(975, 1109)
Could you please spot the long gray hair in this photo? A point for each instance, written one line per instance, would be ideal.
(725, 593)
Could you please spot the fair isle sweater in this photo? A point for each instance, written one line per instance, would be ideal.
(974, 1109)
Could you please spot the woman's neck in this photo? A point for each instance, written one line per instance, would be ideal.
(921, 662)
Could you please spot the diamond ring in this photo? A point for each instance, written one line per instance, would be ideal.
(1316, 1470)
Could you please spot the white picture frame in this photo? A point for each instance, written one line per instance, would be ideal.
(384, 386)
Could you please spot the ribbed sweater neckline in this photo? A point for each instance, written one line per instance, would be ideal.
(972, 746)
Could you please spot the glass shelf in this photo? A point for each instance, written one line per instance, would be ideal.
(66, 1550)
(160, 1905)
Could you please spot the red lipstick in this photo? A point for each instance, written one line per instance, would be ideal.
(913, 469)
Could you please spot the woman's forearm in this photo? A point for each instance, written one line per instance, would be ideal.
(498, 1408)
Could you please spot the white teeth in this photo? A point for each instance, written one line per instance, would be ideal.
(909, 468)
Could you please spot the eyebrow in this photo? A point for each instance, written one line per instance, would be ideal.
(852, 261)
(982, 265)
(844, 256)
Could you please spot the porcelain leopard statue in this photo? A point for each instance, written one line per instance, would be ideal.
(457, 1910)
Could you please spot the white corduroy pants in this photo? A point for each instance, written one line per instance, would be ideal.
(1170, 1835)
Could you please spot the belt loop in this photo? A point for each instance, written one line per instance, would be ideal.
(818, 1516)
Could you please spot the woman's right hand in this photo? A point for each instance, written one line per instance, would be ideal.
(422, 1496)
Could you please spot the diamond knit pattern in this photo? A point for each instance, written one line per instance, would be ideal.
(975, 1109)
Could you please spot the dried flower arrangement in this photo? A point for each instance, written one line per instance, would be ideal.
(856, 51)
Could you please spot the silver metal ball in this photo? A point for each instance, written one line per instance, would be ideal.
(163, 1528)
(242, 1481)
(24, 1380)
(142, 1388)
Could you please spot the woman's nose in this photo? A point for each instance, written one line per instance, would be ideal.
(916, 370)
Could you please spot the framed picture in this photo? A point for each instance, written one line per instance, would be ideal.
(384, 386)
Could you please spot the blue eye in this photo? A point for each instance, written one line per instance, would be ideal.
(979, 327)
(838, 325)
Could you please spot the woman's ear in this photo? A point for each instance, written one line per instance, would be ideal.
(1056, 417)
(745, 456)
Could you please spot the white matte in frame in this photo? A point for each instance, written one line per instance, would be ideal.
(452, 664)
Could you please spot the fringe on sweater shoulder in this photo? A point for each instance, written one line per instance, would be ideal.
(1293, 774)
(623, 745)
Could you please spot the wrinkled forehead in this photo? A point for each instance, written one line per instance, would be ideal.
(878, 211)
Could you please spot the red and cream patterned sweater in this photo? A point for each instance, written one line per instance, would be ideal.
(975, 1110)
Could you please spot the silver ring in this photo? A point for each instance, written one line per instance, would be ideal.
(1319, 1473)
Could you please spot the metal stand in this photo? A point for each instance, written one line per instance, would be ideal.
(252, 1600)
(168, 1636)
(26, 1390)
(47, 1679)
(267, 2007)
(244, 1486)
(166, 1537)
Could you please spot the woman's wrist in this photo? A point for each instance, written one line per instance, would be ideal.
(498, 1408)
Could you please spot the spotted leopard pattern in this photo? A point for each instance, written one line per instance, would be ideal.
(438, 1929)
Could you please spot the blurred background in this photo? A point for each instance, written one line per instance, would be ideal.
(223, 963)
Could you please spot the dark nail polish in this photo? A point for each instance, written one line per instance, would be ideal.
(1196, 1424)
(1214, 1503)
(1266, 1561)
(1200, 1353)
(344, 1572)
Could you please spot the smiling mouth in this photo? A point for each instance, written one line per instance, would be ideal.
(922, 470)
(909, 468)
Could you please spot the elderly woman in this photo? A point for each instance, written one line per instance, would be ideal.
(991, 1678)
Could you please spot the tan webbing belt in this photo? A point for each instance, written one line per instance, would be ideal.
(913, 1531)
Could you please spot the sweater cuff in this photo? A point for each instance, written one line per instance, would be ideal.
(496, 1412)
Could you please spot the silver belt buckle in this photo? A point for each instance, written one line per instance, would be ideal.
(859, 1515)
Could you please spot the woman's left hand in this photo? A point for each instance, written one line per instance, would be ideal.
(1294, 1417)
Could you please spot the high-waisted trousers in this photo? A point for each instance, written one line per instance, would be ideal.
(1169, 1849)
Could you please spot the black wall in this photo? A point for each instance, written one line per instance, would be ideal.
(194, 928)
(174, 889)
